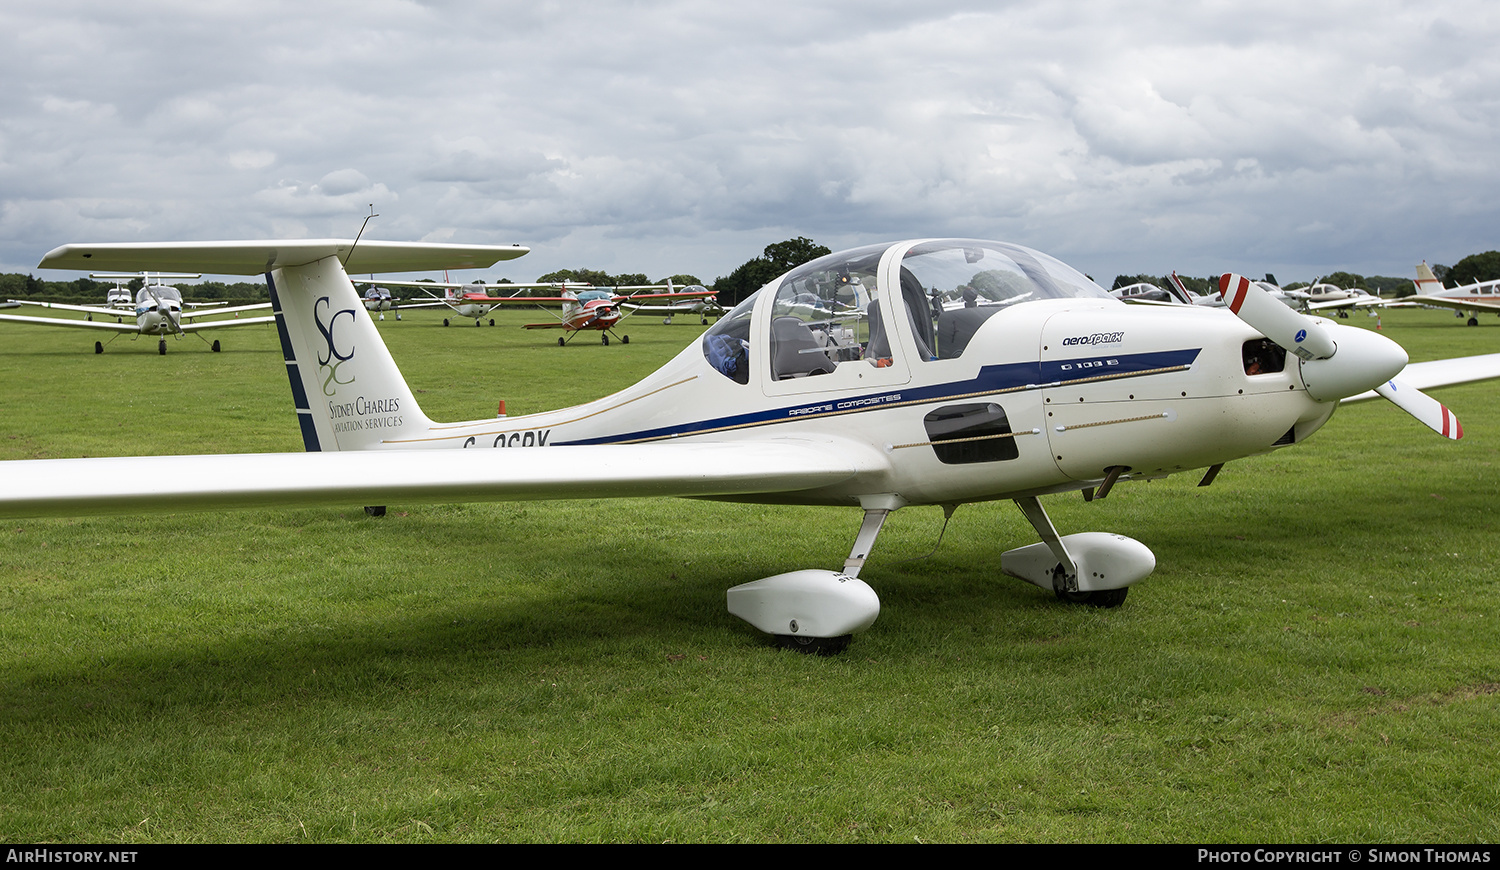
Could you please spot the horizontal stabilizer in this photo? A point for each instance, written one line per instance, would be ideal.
(258, 257)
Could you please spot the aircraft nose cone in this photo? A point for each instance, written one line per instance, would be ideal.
(1364, 361)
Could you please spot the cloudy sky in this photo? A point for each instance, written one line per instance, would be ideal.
(668, 137)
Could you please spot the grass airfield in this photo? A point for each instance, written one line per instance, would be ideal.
(1316, 658)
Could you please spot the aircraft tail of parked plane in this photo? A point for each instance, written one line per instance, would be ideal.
(1427, 283)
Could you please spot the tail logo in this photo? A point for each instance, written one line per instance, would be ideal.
(329, 361)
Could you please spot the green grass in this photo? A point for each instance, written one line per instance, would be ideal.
(1314, 660)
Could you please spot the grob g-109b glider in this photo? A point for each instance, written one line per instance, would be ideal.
(837, 384)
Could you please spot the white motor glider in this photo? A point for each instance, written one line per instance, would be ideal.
(836, 384)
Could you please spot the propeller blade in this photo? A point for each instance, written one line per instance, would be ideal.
(1282, 325)
(1429, 411)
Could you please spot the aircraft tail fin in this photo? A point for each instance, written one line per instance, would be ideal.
(1427, 283)
(1177, 290)
(348, 392)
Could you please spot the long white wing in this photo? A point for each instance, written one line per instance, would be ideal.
(210, 312)
(73, 487)
(226, 324)
(88, 309)
(129, 326)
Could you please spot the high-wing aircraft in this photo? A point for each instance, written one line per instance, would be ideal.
(473, 299)
(837, 384)
(1474, 298)
(583, 307)
(157, 311)
(692, 299)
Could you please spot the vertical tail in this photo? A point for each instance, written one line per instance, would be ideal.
(346, 387)
(1427, 283)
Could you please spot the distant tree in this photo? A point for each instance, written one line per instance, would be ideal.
(1473, 268)
(777, 258)
(681, 280)
(1440, 272)
(1346, 280)
(1384, 285)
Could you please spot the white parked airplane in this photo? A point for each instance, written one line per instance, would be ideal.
(157, 311)
(1473, 298)
(869, 398)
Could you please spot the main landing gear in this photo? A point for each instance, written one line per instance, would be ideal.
(1094, 568)
(818, 612)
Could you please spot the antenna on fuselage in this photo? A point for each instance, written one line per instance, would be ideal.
(361, 232)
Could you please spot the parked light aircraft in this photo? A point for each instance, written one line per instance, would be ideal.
(692, 299)
(1142, 291)
(869, 399)
(380, 300)
(1474, 298)
(473, 299)
(584, 307)
(158, 311)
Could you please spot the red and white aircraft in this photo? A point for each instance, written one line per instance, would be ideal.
(692, 299)
(473, 299)
(836, 384)
(583, 306)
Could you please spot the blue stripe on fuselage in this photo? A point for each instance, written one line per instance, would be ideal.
(991, 379)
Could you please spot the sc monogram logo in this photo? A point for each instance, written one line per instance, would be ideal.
(330, 360)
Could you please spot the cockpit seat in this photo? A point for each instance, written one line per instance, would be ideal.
(956, 327)
(795, 353)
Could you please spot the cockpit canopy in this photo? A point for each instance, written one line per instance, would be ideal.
(837, 309)
(145, 298)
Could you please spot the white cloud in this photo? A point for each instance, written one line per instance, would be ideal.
(1135, 137)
